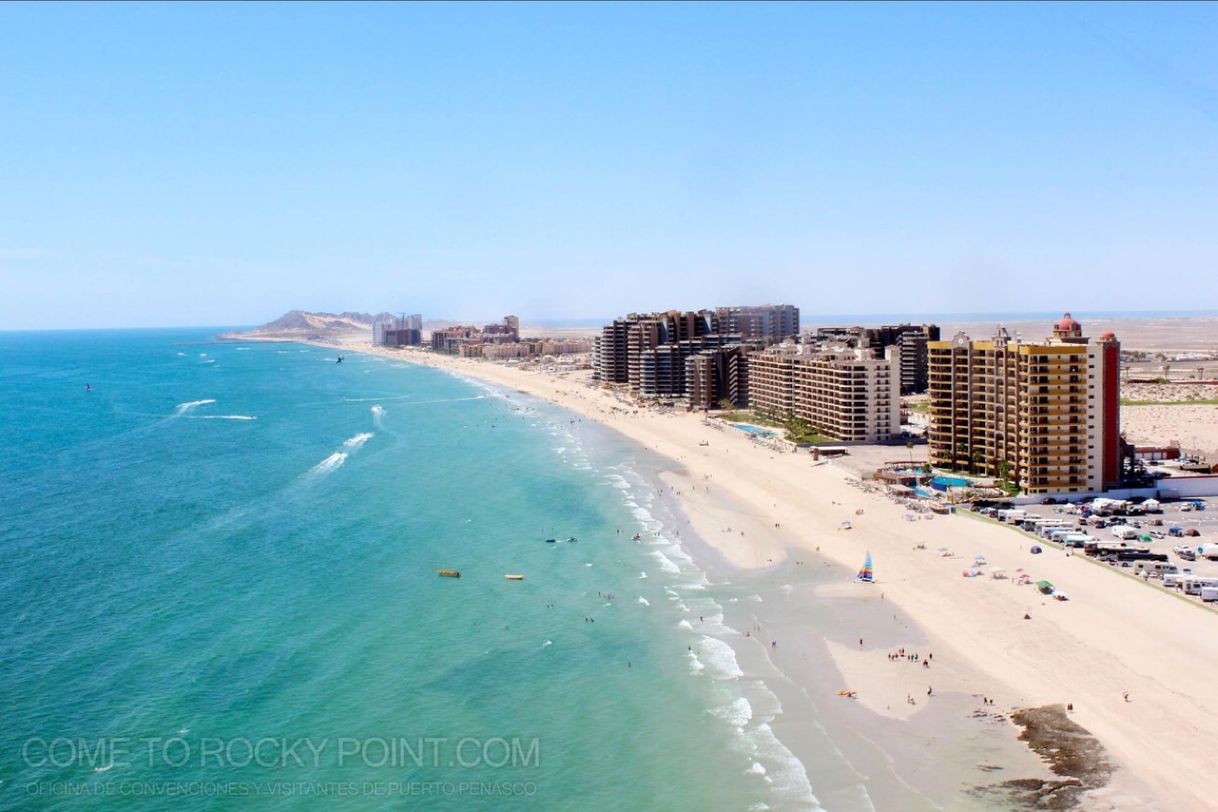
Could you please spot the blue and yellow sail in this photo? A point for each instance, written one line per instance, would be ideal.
(866, 574)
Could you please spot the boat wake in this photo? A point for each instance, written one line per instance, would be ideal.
(336, 460)
(183, 408)
(330, 463)
(357, 441)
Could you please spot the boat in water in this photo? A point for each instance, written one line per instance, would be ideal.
(513, 576)
(448, 573)
(866, 574)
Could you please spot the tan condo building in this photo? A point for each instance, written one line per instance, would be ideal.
(847, 394)
(1044, 415)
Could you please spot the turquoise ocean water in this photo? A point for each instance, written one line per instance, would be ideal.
(218, 582)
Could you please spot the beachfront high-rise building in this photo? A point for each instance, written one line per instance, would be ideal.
(715, 375)
(1044, 415)
(662, 369)
(845, 393)
(402, 331)
(618, 350)
(769, 324)
(911, 338)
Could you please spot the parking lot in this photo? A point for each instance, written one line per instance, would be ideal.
(1157, 525)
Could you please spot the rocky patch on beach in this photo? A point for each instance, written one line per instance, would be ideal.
(1072, 754)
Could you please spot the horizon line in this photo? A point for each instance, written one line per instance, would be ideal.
(821, 319)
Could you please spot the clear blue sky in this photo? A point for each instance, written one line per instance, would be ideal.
(220, 164)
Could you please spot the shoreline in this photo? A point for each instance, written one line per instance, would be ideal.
(1063, 655)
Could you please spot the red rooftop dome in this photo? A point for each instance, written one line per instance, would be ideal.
(1108, 336)
(1068, 324)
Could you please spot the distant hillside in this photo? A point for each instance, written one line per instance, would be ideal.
(324, 322)
(298, 324)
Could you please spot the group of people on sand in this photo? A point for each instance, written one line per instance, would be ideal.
(913, 656)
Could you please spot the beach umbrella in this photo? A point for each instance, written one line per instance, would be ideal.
(1035, 550)
(1146, 537)
(1044, 586)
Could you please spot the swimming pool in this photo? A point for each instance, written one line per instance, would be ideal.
(942, 482)
(756, 431)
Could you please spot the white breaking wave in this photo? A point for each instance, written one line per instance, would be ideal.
(787, 773)
(225, 417)
(738, 713)
(644, 601)
(183, 408)
(721, 658)
(665, 563)
(329, 463)
(377, 409)
(686, 625)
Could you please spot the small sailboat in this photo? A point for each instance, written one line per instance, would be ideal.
(866, 574)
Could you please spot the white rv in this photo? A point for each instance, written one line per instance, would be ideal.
(1195, 584)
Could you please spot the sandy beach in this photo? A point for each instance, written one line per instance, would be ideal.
(1116, 637)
